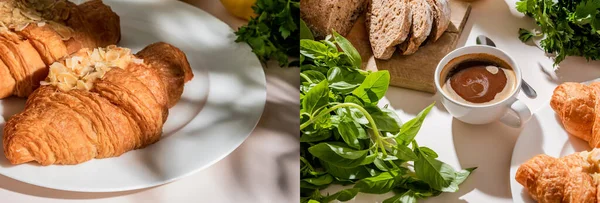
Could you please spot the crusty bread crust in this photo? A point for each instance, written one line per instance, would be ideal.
(323, 16)
(441, 18)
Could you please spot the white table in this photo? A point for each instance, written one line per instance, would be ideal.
(263, 169)
(488, 147)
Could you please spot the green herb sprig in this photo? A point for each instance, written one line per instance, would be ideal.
(274, 34)
(570, 27)
(347, 139)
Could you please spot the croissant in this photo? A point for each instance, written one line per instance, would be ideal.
(34, 34)
(573, 178)
(577, 106)
(96, 104)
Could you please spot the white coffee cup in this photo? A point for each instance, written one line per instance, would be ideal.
(485, 113)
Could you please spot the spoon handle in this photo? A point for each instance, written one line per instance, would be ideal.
(528, 90)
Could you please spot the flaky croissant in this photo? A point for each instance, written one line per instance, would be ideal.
(34, 34)
(96, 104)
(578, 107)
(573, 178)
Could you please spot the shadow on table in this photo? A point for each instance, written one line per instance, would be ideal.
(573, 69)
(411, 101)
(477, 145)
(32, 190)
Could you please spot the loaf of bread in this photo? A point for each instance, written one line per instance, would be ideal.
(422, 14)
(388, 22)
(441, 18)
(323, 16)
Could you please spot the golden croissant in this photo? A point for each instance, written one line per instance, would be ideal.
(578, 108)
(34, 34)
(96, 104)
(573, 178)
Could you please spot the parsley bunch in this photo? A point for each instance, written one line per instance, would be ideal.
(571, 27)
(274, 34)
(347, 139)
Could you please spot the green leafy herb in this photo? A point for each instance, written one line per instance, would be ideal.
(346, 138)
(570, 27)
(305, 32)
(380, 184)
(525, 35)
(343, 195)
(275, 33)
(406, 197)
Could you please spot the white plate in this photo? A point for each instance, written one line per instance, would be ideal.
(219, 108)
(543, 134)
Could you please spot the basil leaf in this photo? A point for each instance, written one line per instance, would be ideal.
(343, 80)
(373, 87)
(305, 32)
(409, 130)
(348, 49)
(404, 153)
(316, 98)
(354, 118)
(436, 173)
(429, 152)
(314, 76)
(306, 67)
(343, 195)
(386, 119)
(381, 165)
(369, 159)
(305, 186)
(418, 186)
(352, 99)
(350, 131)
(380, 184)
(355, 173)
(406, 197)
(461, 176)
(356, 115)
(338, 155)
(310, 136)
(321, 180)
(313, 49)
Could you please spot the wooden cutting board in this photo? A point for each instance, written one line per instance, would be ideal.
(415, 71)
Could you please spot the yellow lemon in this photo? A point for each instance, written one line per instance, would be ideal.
(240, 8)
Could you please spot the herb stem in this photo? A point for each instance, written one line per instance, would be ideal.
(306, 78)
(343, 105)
(382, 146)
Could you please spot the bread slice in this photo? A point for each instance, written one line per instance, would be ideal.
(441, 18)
(388, 22)
(422, 16)
(322, 16)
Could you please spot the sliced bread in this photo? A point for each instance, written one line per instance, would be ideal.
(422, 17)
(322, 16)
(441, 18)
(388, 23)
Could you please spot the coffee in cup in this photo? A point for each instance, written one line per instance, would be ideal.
(478, 79)
(479, 84)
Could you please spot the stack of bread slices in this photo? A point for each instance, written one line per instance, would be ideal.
(404, 25)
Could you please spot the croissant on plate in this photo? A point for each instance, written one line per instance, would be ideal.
(34, 34)
(573, 178)
(96, 104)
(578, 108)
